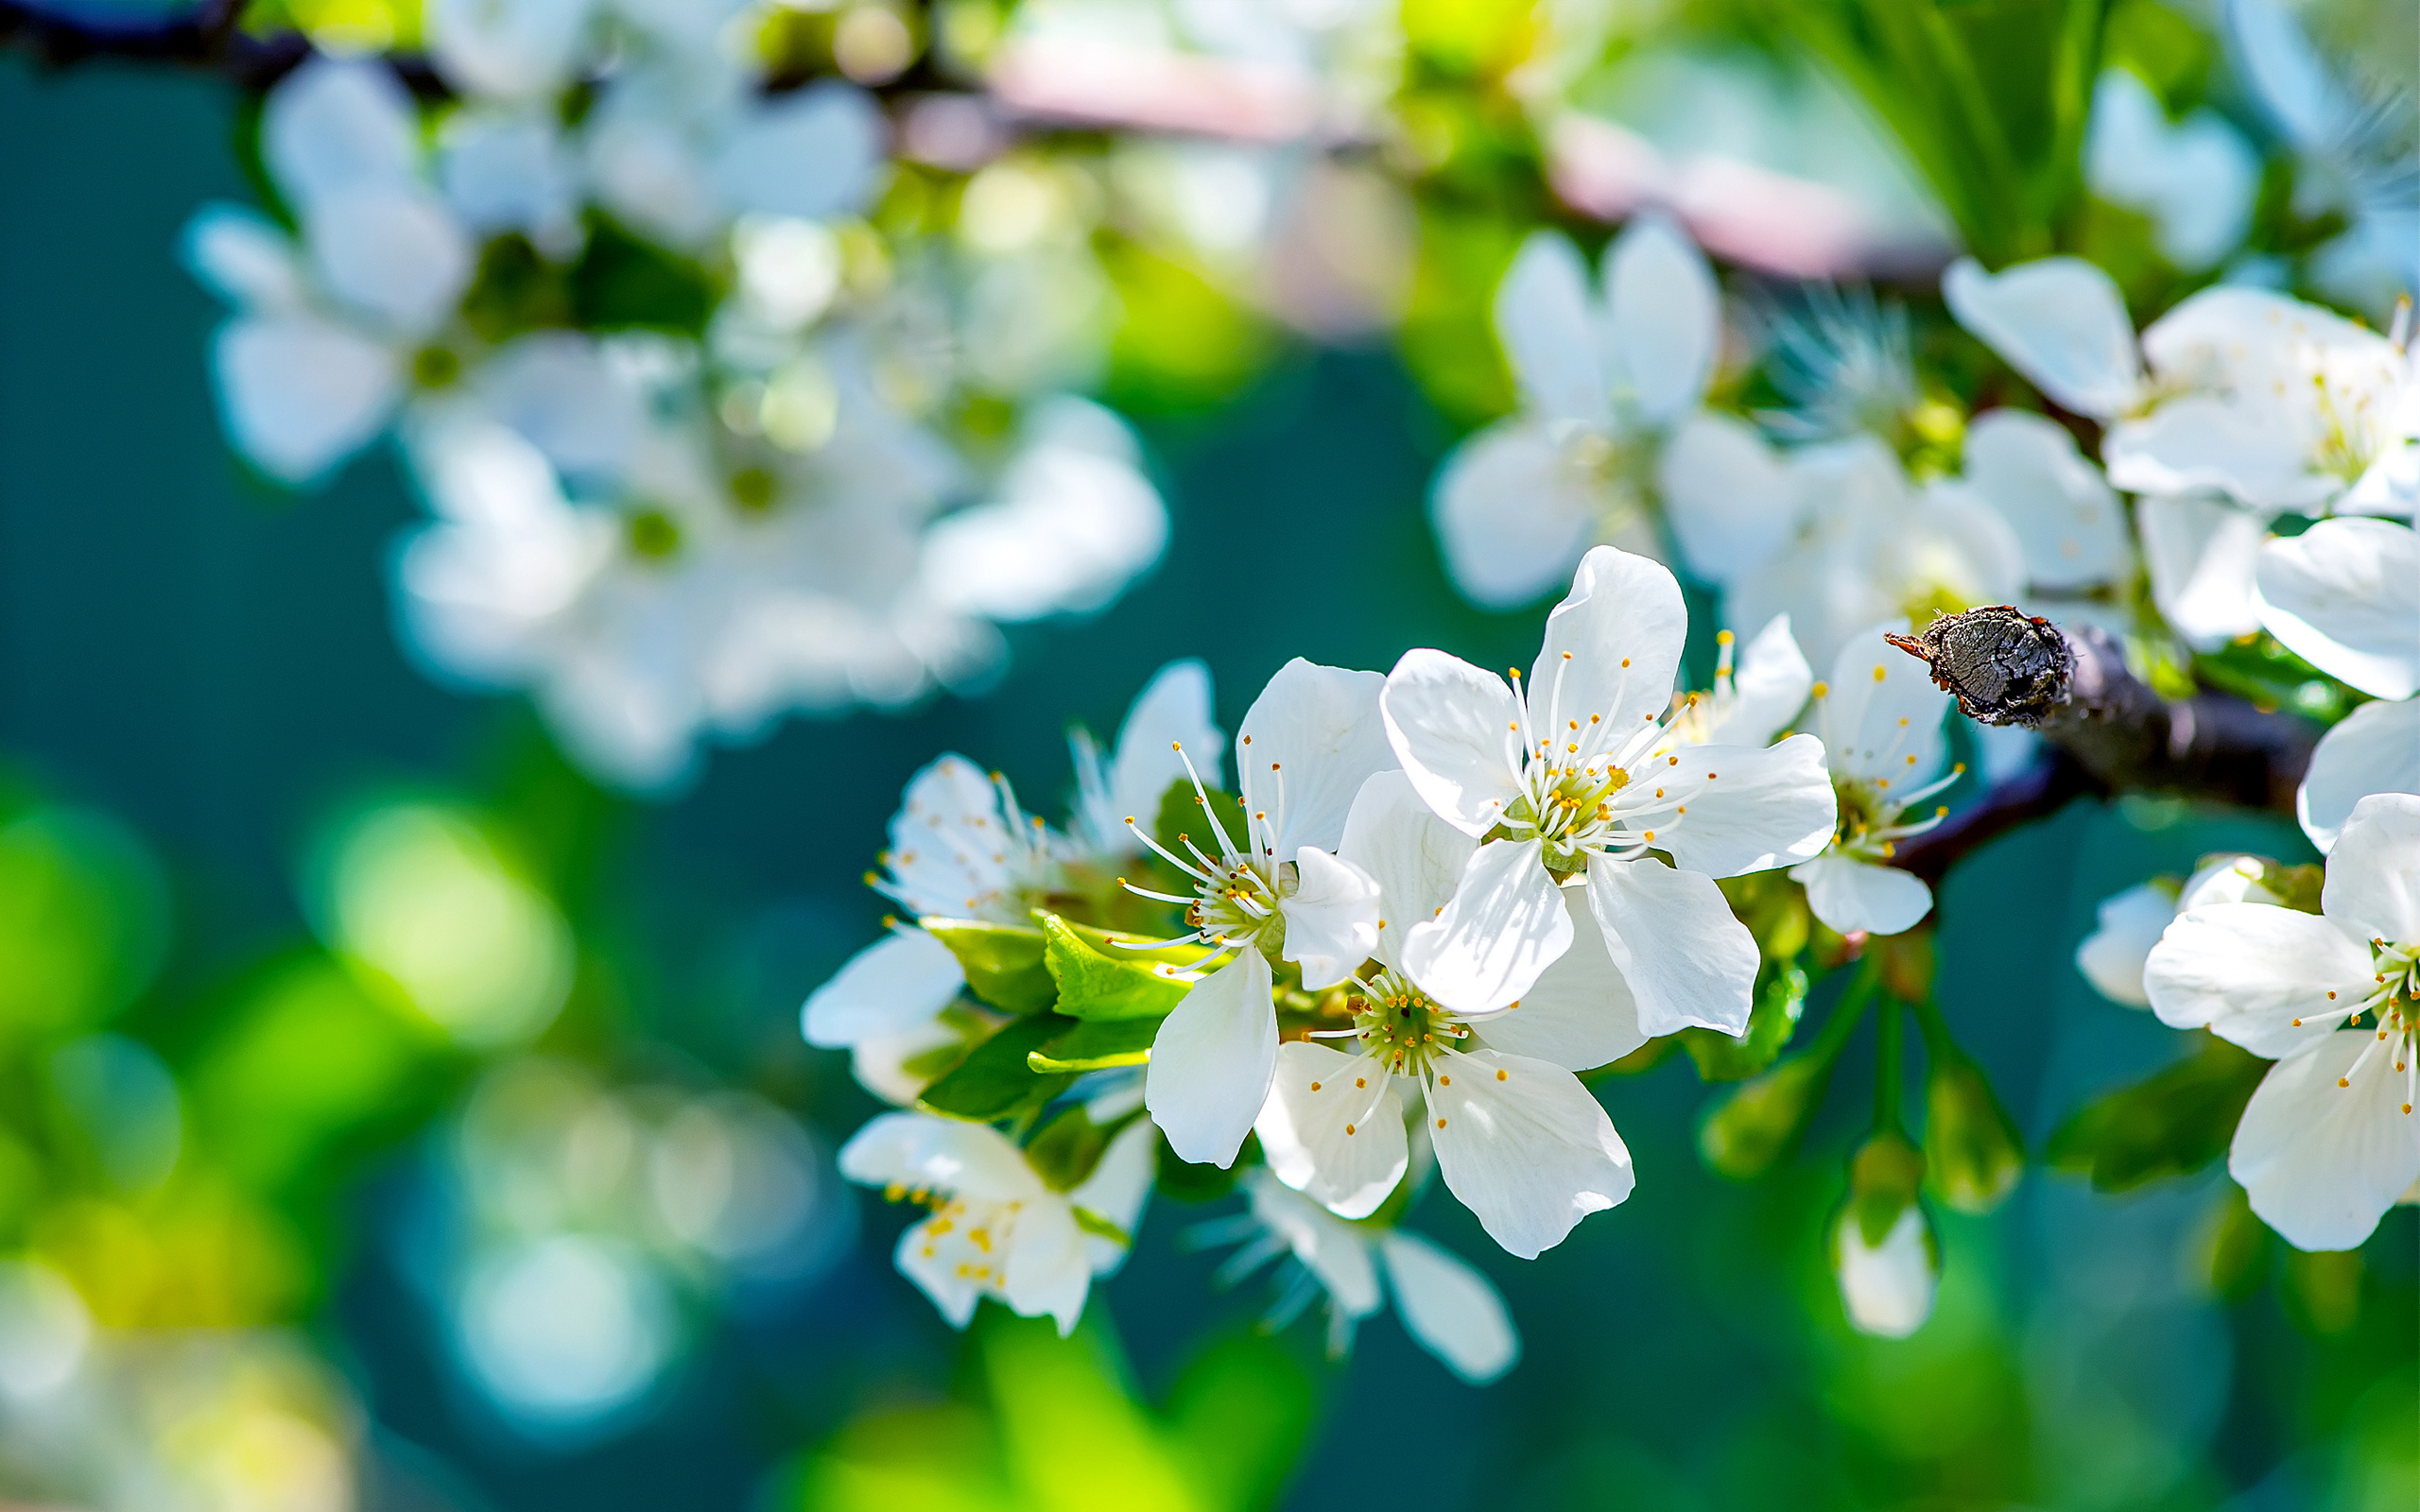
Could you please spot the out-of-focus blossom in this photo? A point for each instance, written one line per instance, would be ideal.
(1888, 1288)
(2127, 925)
(1844, 361)
(2195, 177)
(2201, 552)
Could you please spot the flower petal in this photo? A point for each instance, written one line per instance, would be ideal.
(2127, 926)
(1848, 895)
(334, 125)
(2272, 980)
(1454, 1312)
(246, 260)
(1308, 744)
(2376, 750)
(1457, 732)
(2345, 595)
(1888, 1289)
(1612, 646)
(300, 394)
(892, 985)
(1504, 926)
(1333, 1127)
(920, 1150)
(2067, 518)
(811, 153)
(2320, 1163)
(1211, 1063)
(1673, 937)
(1514, 512)
(2060, 321)
(1768, 689)
(1728, 810)
(1665, 319)
(1046, 1272)
(1118, 1189)
(1331, 1249)
(2244, 448)
(1579, 1015)
(2373, 887)
(948, 840)
(1730, 497)
(2202, 554)
(953, 1295)
(1525, 1146)
(393, 253)
(1416, 858)
(1544, 320)
(1173, 709)
(1881, 714)
(1331, 917)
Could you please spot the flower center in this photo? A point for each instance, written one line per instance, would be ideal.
(1237, 901)
(969, 1239)
(1401, 1027)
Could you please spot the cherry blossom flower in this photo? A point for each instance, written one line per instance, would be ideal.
(2328, 1142)
(2127, 925)
(2195, 177)
(1562, 779)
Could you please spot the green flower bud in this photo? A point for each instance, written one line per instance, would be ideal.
(1973, 1153)
(1752, 1127)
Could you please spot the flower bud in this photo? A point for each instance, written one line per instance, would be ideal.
(1883, 1249)
(1756, 1124)
(1973, 1153)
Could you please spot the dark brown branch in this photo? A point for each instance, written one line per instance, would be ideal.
(2008, 667)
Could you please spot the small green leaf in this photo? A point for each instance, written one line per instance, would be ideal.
(1002, 962)
(2168, 1124)
(1068, 1149)
(1096, 1045)
(1095, 983)
(1781, 997)
(1093, 1223)
(994, 1081)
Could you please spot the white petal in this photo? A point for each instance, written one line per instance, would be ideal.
(879, 1062)
(2373, 887)
(1850, 895)
(566, 395)
(1046, 1272)
(1730, 497)
(1665, 317)
(301, 395)
(2376, 750)
(2345, 595)
(1513, 512)
(1767, 690)
(948, 842)
(1306, 746)
(2249, 448)
(2202, 554)
(392, 253)
(1416, 858)
(2065, 516)
(332, 126)
(2256, 975)
(1623, 625)
(1504, 927)
(1750, 808)
(1579, 1015)
(1888, 1289)
(2127, 926)
(2322, 1163)
(1529, 1150)
(1879, 709)
(2233, 879)
(244, 259)
(1331, 917)
(1118, 1186)
(2286, 74)
(1457, 732)
(816, 152)
(1333, 1127)
(953, 1295)
(1173, 708)
(1331, 1249)
(1543, 317)
(1452, 1309)
(509, 51)
(508, 170)
(920, 1150)
(2060, 321)
(889, 986)
(1211, 1063)
(1673, 937)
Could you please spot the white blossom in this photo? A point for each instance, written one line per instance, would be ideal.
(1888, 1288)
(2128, 925)
(2329, 1143)
(2196, 179)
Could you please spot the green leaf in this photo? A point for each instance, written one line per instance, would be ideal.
(1781, 997)
(1180, 816)
(2168, 1124)
(1093, 1223)
(1097, 1044)
(1002, 962)
(1095, 983)
(994, 1081)
(1069, 1148)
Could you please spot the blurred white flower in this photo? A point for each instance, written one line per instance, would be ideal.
(2127, 925)
(1604, 377)
(2201, 552)
(2067, 520)
(1888, 1288)
(2195, 177)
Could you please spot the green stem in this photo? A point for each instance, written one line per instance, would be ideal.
(1835, 1034)
(1886, 1069)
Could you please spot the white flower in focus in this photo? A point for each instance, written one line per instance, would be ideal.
(1075, 520)
(2277, 403)
(1274, 893)
(1563, 779)
(1453, 1310)
(2329, 1143)
(2195, 177)
(1880, 719)
(1603, 379)
(996, 1230)
(2345, 595)
(1518, 1139)
(2127, 925)
(1888, 1289)
(328, 330)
